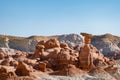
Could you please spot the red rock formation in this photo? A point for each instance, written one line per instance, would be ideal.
(86, 58)
(30, 62)
(40, 66)
(5, 73)
(3, 52)
(64, 56)
(38, 51)
(87, 37)
(55, 58)
(69, 70)
(63, 45)
(7, 61)
(13, 63)
(42, 45)
(2, 55)
(90, 57)
(53, 53)
(23, 69)
(42, 42)
(111, 69)
(52, 43)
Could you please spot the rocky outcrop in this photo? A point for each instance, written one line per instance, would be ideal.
(71, 39)
(54, 58)
(40, 66)
(87, 37)
(107, 44)
(90, 57)
(5, 73)
(85, 58)
(114, 70)
(23, 69)
(99, 72)
(52, 43)
(69, 70)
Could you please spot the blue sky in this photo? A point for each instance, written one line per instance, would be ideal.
(54, 17)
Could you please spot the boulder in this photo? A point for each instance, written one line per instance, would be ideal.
(2, 55)
(42, 42)
(30, 62)
(7, 61)
(23, 69)
(52, 43)
(38, 51)
(5, 52)
(64, 56)
(40, 66)
(63, 45)
(13, 63)
(53, 53)
(5, 73)
(42, 46)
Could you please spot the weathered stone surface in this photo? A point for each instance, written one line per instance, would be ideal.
(52, 43)
(108, 44)
(5, 73)
(23, 69)
(58, 59)
(86, 58)
(71, 39)
(41, 66)
(90, 57)
(113, 70)
(64, 56)
(99, 72)
(7, 61)
(63, 45)
(87, 37)
(69, 70)
(38, 51)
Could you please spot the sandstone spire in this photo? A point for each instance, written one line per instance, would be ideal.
(87, 37)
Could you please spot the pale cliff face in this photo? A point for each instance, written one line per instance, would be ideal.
(107, 43)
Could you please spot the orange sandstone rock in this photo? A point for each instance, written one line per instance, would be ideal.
(23, 69)
(87, 37)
